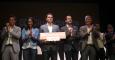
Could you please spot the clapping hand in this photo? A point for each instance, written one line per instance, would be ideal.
(70, 30)
(30, 34)
(113, 37)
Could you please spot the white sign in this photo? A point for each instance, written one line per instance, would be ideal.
(54, 36)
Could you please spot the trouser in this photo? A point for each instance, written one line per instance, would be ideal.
(70, 52)
(29, 54)
(108, 53)
(61, 52)
(49, 51)
(112, 57)
(100, 54)
(88, 51)
(9, 54)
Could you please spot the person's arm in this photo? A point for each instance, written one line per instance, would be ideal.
(108, 38)
(104, 40)
(83, 33)
(4, 33)
(42, 31)
(77, 34)
(113, 38)
(16, 33)
(63, 29)
(24, 35)
(35, 36)
(58, 29)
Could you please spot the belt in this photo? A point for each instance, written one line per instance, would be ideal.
(89, 45)
(9, 45)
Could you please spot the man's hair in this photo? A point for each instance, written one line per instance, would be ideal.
(11, 16)
(67, 15)
(88, 15)
(49, 14)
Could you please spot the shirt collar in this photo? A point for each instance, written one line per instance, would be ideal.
(49, 25)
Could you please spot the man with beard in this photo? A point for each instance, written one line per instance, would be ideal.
(71, 42)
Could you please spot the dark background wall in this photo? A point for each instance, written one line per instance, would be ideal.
(103, 11)
(39, 10)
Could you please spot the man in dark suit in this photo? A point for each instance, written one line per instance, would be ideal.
(10, 36)
(110, 42)
(49, 49)
(89, 43)
(71, 41)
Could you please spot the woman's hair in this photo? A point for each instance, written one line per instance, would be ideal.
(27, 27)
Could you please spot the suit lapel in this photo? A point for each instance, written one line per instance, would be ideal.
(46, 27)
(14, 28)
(65, 28)
(53, 28)
(85, 28)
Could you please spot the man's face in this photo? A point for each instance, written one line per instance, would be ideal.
(49, 18)
(110, 28)
(68, 19)
(88, 20)
(12, 21)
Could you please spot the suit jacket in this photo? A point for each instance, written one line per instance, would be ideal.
(16, 33)
(110, 43)
(84, 36)
(33, 40)
(71, 41)
(44, 29)
(108, 37)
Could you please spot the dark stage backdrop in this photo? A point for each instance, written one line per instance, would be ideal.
(38, 10)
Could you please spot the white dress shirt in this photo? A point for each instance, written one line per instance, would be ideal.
(90, 40)
(101, 40)
(50, 28)
(9, 40)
